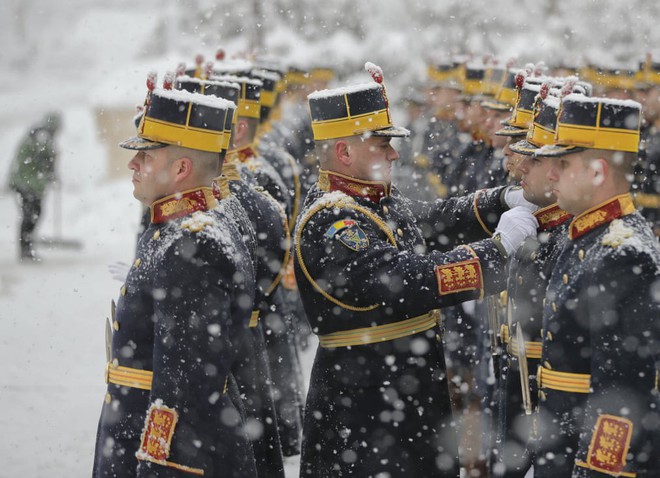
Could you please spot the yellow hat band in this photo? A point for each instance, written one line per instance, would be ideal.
(267, 98)
(181, 135)
(473, 87)
(297, 78)
(506, 95)
(596, 138)
(351, 126)
(247, 109)
(521, 118)
(322, 74)
(539, 135)
(442, 75)
(623, 82)
(226, 140)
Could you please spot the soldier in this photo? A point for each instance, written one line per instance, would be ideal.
(647, 174)
(33, 171)
(270, 221)
(529, 271)
(598, 379)
(252, 369)
(183, 311)
(412, 172)
(378, 399)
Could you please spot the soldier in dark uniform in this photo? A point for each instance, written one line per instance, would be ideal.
(253, 215)
(183, 311)
(275, 313)
(646, 188)
(378, 399)
(598, 380)
(529, 271)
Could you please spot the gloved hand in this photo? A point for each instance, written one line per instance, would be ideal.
(515, 226)
(119, 270)
(513, 197)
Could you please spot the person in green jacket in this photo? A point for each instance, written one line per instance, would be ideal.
(33, 171)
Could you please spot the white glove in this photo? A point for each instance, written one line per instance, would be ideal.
(119, 270)
(513, 197)
(515, 226)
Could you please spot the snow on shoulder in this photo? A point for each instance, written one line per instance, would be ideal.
(617, 234)
(182, 96)
(344, 90)
(624, 239)
(324, 202)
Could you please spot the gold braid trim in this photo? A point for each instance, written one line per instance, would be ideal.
(296, 194)
(287, 252)
(476, 213)
(341, 203)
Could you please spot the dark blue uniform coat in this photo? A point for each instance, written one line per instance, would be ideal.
(378, 399)
(598, 396)
(529, 271)
(181, 318)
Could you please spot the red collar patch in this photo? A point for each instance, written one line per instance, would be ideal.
(371, 190)
(182, 204)
(551, 216)
(602, 214)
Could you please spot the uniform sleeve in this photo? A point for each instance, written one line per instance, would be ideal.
(350, 260)
(619, 418)
(196, 336)
(460, 219)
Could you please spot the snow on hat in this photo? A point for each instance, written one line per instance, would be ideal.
(249, 105)
(226, 90)
(595, 123)
(542, 130)
(353, 110)
(271, 82)
(180, 118)
(521, 116)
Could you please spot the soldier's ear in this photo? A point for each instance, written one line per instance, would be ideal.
(182, 168)
(601, 170)
(342, 152)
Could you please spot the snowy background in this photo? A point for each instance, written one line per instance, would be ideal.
(89, 59)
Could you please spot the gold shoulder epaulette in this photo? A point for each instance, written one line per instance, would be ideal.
(341, 202)
(196, 222)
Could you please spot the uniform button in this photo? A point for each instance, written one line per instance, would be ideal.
(115, 324)
(438, 337)
(548, 336)
(156, 235)
(108, 398)
(520, 280)
(581, 254)
(115, 363)
(137, 262)
(547, 365)
(565, 278)
(554, 307)
(386, 209)
(399, 232)
(123, 290)
(542, 396)
(533, 256)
